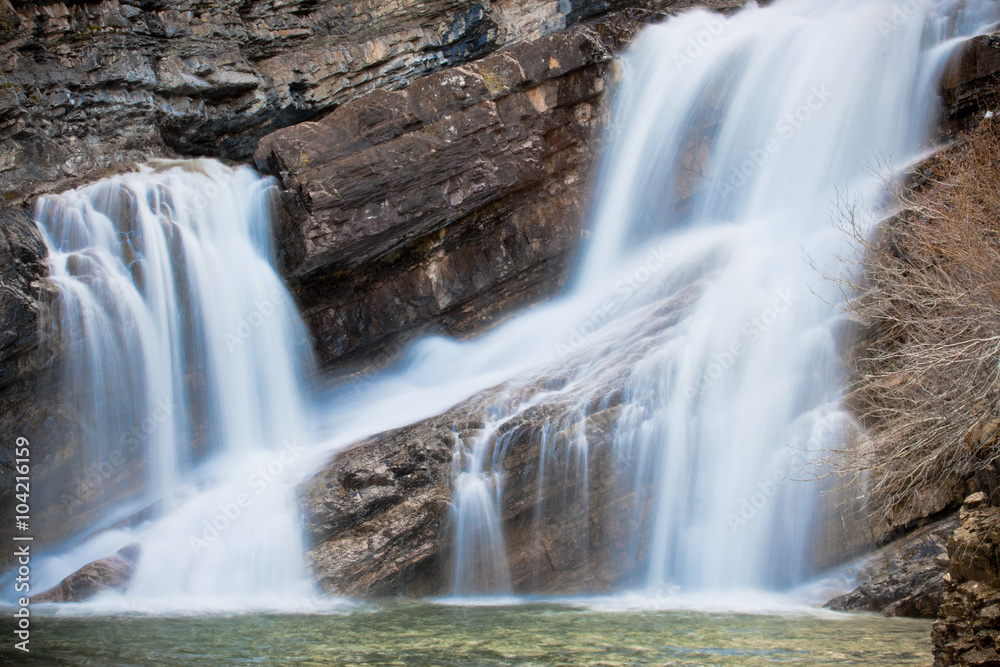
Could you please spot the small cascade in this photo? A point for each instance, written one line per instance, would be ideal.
(480, 561)
(183, 358)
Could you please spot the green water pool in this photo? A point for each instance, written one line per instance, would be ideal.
(428, 634)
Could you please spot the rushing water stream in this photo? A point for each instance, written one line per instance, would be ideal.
(700, 296)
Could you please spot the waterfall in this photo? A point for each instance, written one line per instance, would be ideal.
(700, 326)
(732, 141)
(182, 355)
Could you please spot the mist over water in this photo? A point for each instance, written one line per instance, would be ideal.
(700, 295)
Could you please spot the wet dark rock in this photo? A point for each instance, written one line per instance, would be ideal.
(22, 267)
(374, 516)
(905, 578)
(108, 574)
(22, 270)
(379, 514)
(970, 82)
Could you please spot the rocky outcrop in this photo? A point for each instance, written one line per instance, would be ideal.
(970, 82)
(906, 578)
(108, 574)
(374, 516)
(88, 87)
(22, 268)
(967, 631)
(394, 166)
(446, 202)
(380, 514)
(380, 520)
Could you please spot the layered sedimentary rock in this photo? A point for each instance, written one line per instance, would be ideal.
(376, 518)
(87, 87)
(970, 83)
(22, 267)
(448, 202)
(380, 516)
(22, 270)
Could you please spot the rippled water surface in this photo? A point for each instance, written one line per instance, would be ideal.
(425, 634)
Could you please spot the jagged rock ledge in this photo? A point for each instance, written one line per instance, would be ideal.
(967, 631)
(448, 203)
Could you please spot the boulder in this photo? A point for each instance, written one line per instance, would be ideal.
(374, 515)
(111, 573)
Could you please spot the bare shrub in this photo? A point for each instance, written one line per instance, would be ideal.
(926, 380)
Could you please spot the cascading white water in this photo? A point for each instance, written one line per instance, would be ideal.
(728, 142)
(184, 354)
(480, 556)
(729, 139)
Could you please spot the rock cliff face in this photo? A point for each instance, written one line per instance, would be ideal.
(970, 83)
(22, 270)
(376, 518)
(87, 87)
(446, 202)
